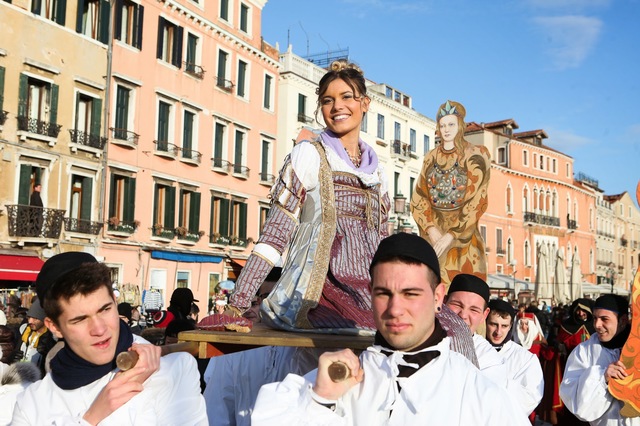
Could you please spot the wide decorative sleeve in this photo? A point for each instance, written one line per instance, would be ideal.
(298, 174)
(420, 203)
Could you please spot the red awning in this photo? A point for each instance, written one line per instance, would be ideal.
(19, 268)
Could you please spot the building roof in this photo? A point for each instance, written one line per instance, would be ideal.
(614, 198)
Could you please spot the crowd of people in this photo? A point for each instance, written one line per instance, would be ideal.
(444, 351)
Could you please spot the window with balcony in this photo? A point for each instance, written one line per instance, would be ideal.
(241, 88)
(219, 226)
(122, 195)
(124, 114)
(189, 136)
(93, 19)
(265, 163)
(81, 206)
(163, 126)
(397, 131)
(239, 156)
(192, 63)
(164, 210)
(88, 114)
(129, 17)
(245, 18)
(380, 128)
(223, 72)
(53, 10)
(169, 47)
(189, 214)
(219, 157)
(267, 100)
(238, 221)
(29, 176)
(38, 106)
(302, 109)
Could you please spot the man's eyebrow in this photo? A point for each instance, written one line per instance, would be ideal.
(81, 317)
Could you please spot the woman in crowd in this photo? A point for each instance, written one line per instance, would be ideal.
(451, 196)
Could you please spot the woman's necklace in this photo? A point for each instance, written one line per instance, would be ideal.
(355, 159)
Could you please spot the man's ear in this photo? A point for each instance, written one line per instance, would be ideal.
(486, 313)
(53, 327)
(439, 294)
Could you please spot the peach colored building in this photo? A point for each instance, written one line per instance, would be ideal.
(534, 200)
(192, 133)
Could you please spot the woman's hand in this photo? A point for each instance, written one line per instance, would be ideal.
(443, 244)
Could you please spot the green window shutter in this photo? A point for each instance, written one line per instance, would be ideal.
(130, 199)
(177, 48)
(96, 116)
(23, 95)
(242, 220)
(112, 196)
(53, 117)
(223, 223)
(217, 149)
(61, 10)
(265, 159)
(85, 208)
(139, 19)
(105, 18)
(163, 122)
(156, 212)
(191, 49)
(170, 208)
(222, 67)
(181, 207)
(238, 151)
(161, 24)
(122, 109)
(194, 213)
(36, 6)
(77, 108)
(80, 11)
(117, 24)
(25, 184)
(1, 88)
(267, 91)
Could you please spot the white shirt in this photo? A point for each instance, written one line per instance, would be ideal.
(171, 396)
(490, 362)
(584, 389)
(449, 391)
(525, 381)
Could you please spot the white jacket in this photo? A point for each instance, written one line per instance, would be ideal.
(584, 390)
(489, 360)
(447, 391)
(525, 381)
(171, 396)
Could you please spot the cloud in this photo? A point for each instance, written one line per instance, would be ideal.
(565, 141)
(571, 38)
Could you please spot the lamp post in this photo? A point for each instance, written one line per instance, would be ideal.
(399, 208)
(513, 264)
(610, 274)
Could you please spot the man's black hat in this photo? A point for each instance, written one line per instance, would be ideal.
(409, 246)
(58, 266)
(471, 284)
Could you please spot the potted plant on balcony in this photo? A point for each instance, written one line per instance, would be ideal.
(157, 229)
(114, 222)
(181, 231)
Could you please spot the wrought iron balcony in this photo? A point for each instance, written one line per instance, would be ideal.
(166, 149)
(124, 137)
(194, 70)
(3, 117)
(82, 226)
(605, 234)
(226, 85)
(220, 165)
(30, 221)
(239, 169)
(44, 128)
(267, 178)
(82, 138)
(572, 224)
(304, 118)
(191, 154)
(541, 219)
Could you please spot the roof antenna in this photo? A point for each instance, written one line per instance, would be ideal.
(307, 35)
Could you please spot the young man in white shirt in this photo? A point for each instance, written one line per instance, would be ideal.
(525, 381)
(409, 376)
(84, 386)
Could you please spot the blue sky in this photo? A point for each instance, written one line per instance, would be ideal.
(570, 67)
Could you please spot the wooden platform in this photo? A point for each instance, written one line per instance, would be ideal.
(214, 343)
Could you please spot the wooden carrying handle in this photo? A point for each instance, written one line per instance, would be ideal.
(339, 372)
(127, 360)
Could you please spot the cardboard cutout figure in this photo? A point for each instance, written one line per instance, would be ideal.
(451, 196)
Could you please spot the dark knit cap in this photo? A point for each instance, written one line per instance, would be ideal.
(409, 246)
(36, 311)
(125, 309)
(471, 284)
(502, 306)
(57, 267)
(614, 303)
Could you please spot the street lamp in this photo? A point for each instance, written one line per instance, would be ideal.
(611, 274)
(399, 207)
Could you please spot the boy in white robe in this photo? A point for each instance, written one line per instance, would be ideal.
(84, 386)
(525, 381)
(409, 375)
(591, 365)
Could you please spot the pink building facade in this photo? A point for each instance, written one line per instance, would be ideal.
(191, 143)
